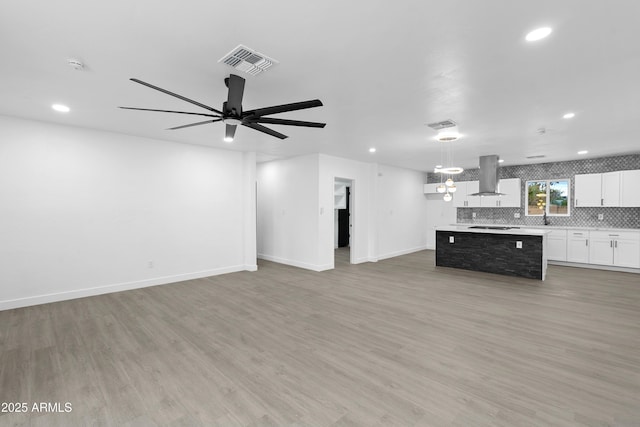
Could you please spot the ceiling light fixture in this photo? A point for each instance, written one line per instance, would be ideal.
(372, 150)
(448, 136)
(569, 116)
(501, 161)
(582, 152)
(61, 108)
(538, 34)
(228, 139)
(447, 133)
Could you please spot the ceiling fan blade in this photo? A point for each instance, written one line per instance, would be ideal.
(169, 111)
(236, 90)
(195, 124)
(230, 132)
(264, 130)
(206, 107)
(282, 108)
(271, 121)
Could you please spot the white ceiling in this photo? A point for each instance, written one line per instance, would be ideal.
(384, 69)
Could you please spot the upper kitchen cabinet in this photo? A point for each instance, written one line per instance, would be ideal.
(461, 198)
(588, 190)
(511, 189)
(630, 189)
(511, 199)
(611, 189)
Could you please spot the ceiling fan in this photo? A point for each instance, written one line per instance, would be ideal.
(232, 114)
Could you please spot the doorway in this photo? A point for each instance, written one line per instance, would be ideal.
(343, 221)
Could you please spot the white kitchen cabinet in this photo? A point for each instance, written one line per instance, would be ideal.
(473, 201)
(626, 251)
(510, 187)
(630, 188)
(588, 190)
(601, 249)
(618, 248)
(610, 189)
(557, 245)
(578, 246)
(461, 198)
(431, 188)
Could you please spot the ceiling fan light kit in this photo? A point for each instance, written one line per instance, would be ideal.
(232, 113)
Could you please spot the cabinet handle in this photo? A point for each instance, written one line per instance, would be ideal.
(615, 244)
(576, 202)
(586, 242)
(601, 202)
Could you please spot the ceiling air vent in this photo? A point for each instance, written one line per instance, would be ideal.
(442, 125)
(248, 60)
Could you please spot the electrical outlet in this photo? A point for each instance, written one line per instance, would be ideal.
(451, 239)
(600, 217)
(473, 215)
(518, 244)
(516, 215)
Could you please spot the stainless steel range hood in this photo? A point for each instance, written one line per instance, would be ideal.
(488, 176)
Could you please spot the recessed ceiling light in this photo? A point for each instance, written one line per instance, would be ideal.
(501, 161)
(61, 108)
(227, 139)
(538, 34)
(569, 116)
(372, 150)
(582, 152)
(438, 166)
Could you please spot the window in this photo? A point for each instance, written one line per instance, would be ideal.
(550, 196)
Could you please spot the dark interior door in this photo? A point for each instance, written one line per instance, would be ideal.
(343, 224)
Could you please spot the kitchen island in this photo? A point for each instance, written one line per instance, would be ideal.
(504, 250)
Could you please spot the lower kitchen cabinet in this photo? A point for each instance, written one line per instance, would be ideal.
(557, 245)
(578, 246)
(620, 249)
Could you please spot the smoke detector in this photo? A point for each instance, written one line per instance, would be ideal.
(248, 60)
(75, 64)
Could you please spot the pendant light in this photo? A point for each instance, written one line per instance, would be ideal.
(447, 136)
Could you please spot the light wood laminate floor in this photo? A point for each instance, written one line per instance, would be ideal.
(395, 343)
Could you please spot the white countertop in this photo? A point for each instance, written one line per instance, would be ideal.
(520, 231)
(551, 227)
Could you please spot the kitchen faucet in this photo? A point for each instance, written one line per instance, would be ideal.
(547, 221)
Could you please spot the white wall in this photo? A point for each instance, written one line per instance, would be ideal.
(363, 213)
(402, 211)
(296, 219)
(439, 212)
(85, 212)
(288, 211)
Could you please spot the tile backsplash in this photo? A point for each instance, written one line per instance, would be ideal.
(580, 217)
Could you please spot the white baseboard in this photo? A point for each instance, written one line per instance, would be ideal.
(251, 267)
(402, 252)
(595, 266)
(294, 263)
(99, 290)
